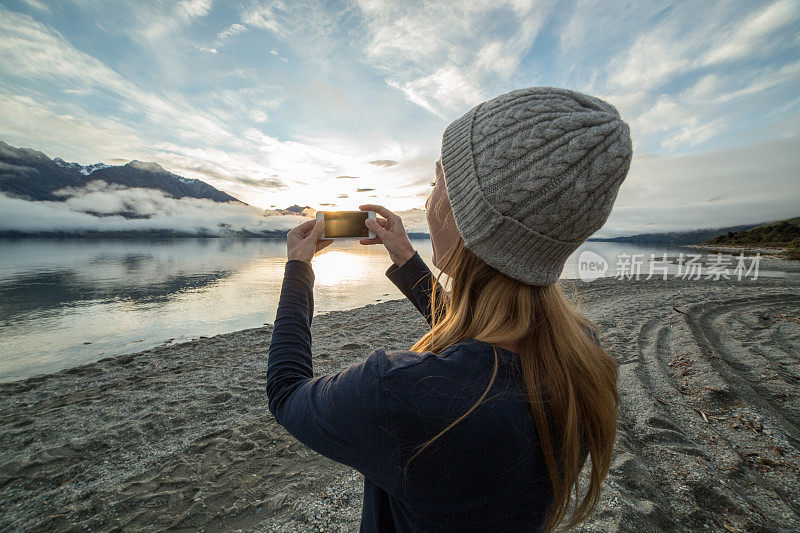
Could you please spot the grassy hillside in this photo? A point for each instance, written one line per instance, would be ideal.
(784, 234)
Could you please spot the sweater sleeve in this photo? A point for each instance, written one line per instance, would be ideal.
(415, 280)
(341, 415)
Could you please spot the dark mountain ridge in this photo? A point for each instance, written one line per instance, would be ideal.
(698, 236)
(30, 174)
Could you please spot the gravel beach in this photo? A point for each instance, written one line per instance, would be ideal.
(180, 436)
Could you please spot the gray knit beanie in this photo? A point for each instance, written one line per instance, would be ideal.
(531, 175)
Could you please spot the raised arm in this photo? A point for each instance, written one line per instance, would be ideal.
(415, 280)
(340, 415)
(409, 272)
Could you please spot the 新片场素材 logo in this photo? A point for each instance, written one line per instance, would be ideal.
(591, 266)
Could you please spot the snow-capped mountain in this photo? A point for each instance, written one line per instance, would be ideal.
(30, 174)
(86, 170)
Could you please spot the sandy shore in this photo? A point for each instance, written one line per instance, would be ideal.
(180, 436)
(736, 250)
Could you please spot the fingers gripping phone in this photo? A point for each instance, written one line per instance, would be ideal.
(346, 224)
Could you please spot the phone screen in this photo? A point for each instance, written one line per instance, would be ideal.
(345, 224)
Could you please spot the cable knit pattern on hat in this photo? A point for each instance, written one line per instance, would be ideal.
(532, 174)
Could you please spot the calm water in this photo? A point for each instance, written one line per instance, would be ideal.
(69, 302)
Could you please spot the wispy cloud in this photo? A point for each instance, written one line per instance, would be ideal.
(698, 70)
(265, 16)
(181, 13)
(193, 8)
(94, 208)
(271, 101)
(231, 31)
(36, 4)
(444, 56)
(277, 54)
(30, 50)
(752, 35)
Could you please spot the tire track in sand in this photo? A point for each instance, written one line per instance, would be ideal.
(703, 320)
(724, 386)
(684, 459)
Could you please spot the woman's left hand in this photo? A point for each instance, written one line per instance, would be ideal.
(302, 241)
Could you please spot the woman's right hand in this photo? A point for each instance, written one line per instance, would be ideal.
(389, 230)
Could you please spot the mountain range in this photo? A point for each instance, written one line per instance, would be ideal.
(675, 238)
(31, 175)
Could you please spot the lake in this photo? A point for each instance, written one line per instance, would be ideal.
(68, 302)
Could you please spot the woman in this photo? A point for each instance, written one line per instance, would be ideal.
(486, 421)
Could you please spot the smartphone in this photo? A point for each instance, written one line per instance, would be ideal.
(346, 224)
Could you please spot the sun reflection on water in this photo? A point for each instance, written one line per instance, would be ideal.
(125, 295)
(338, 267)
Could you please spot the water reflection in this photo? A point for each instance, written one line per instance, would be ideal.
(49, 291)
(67, 302)
(332, 267)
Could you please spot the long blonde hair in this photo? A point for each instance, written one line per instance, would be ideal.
(570, 380)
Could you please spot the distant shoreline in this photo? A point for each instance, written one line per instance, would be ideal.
(740, 249)
(278, 234)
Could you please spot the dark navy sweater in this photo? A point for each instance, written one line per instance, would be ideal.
(487, 473)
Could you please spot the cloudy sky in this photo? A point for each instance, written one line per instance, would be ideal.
(321, 103)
